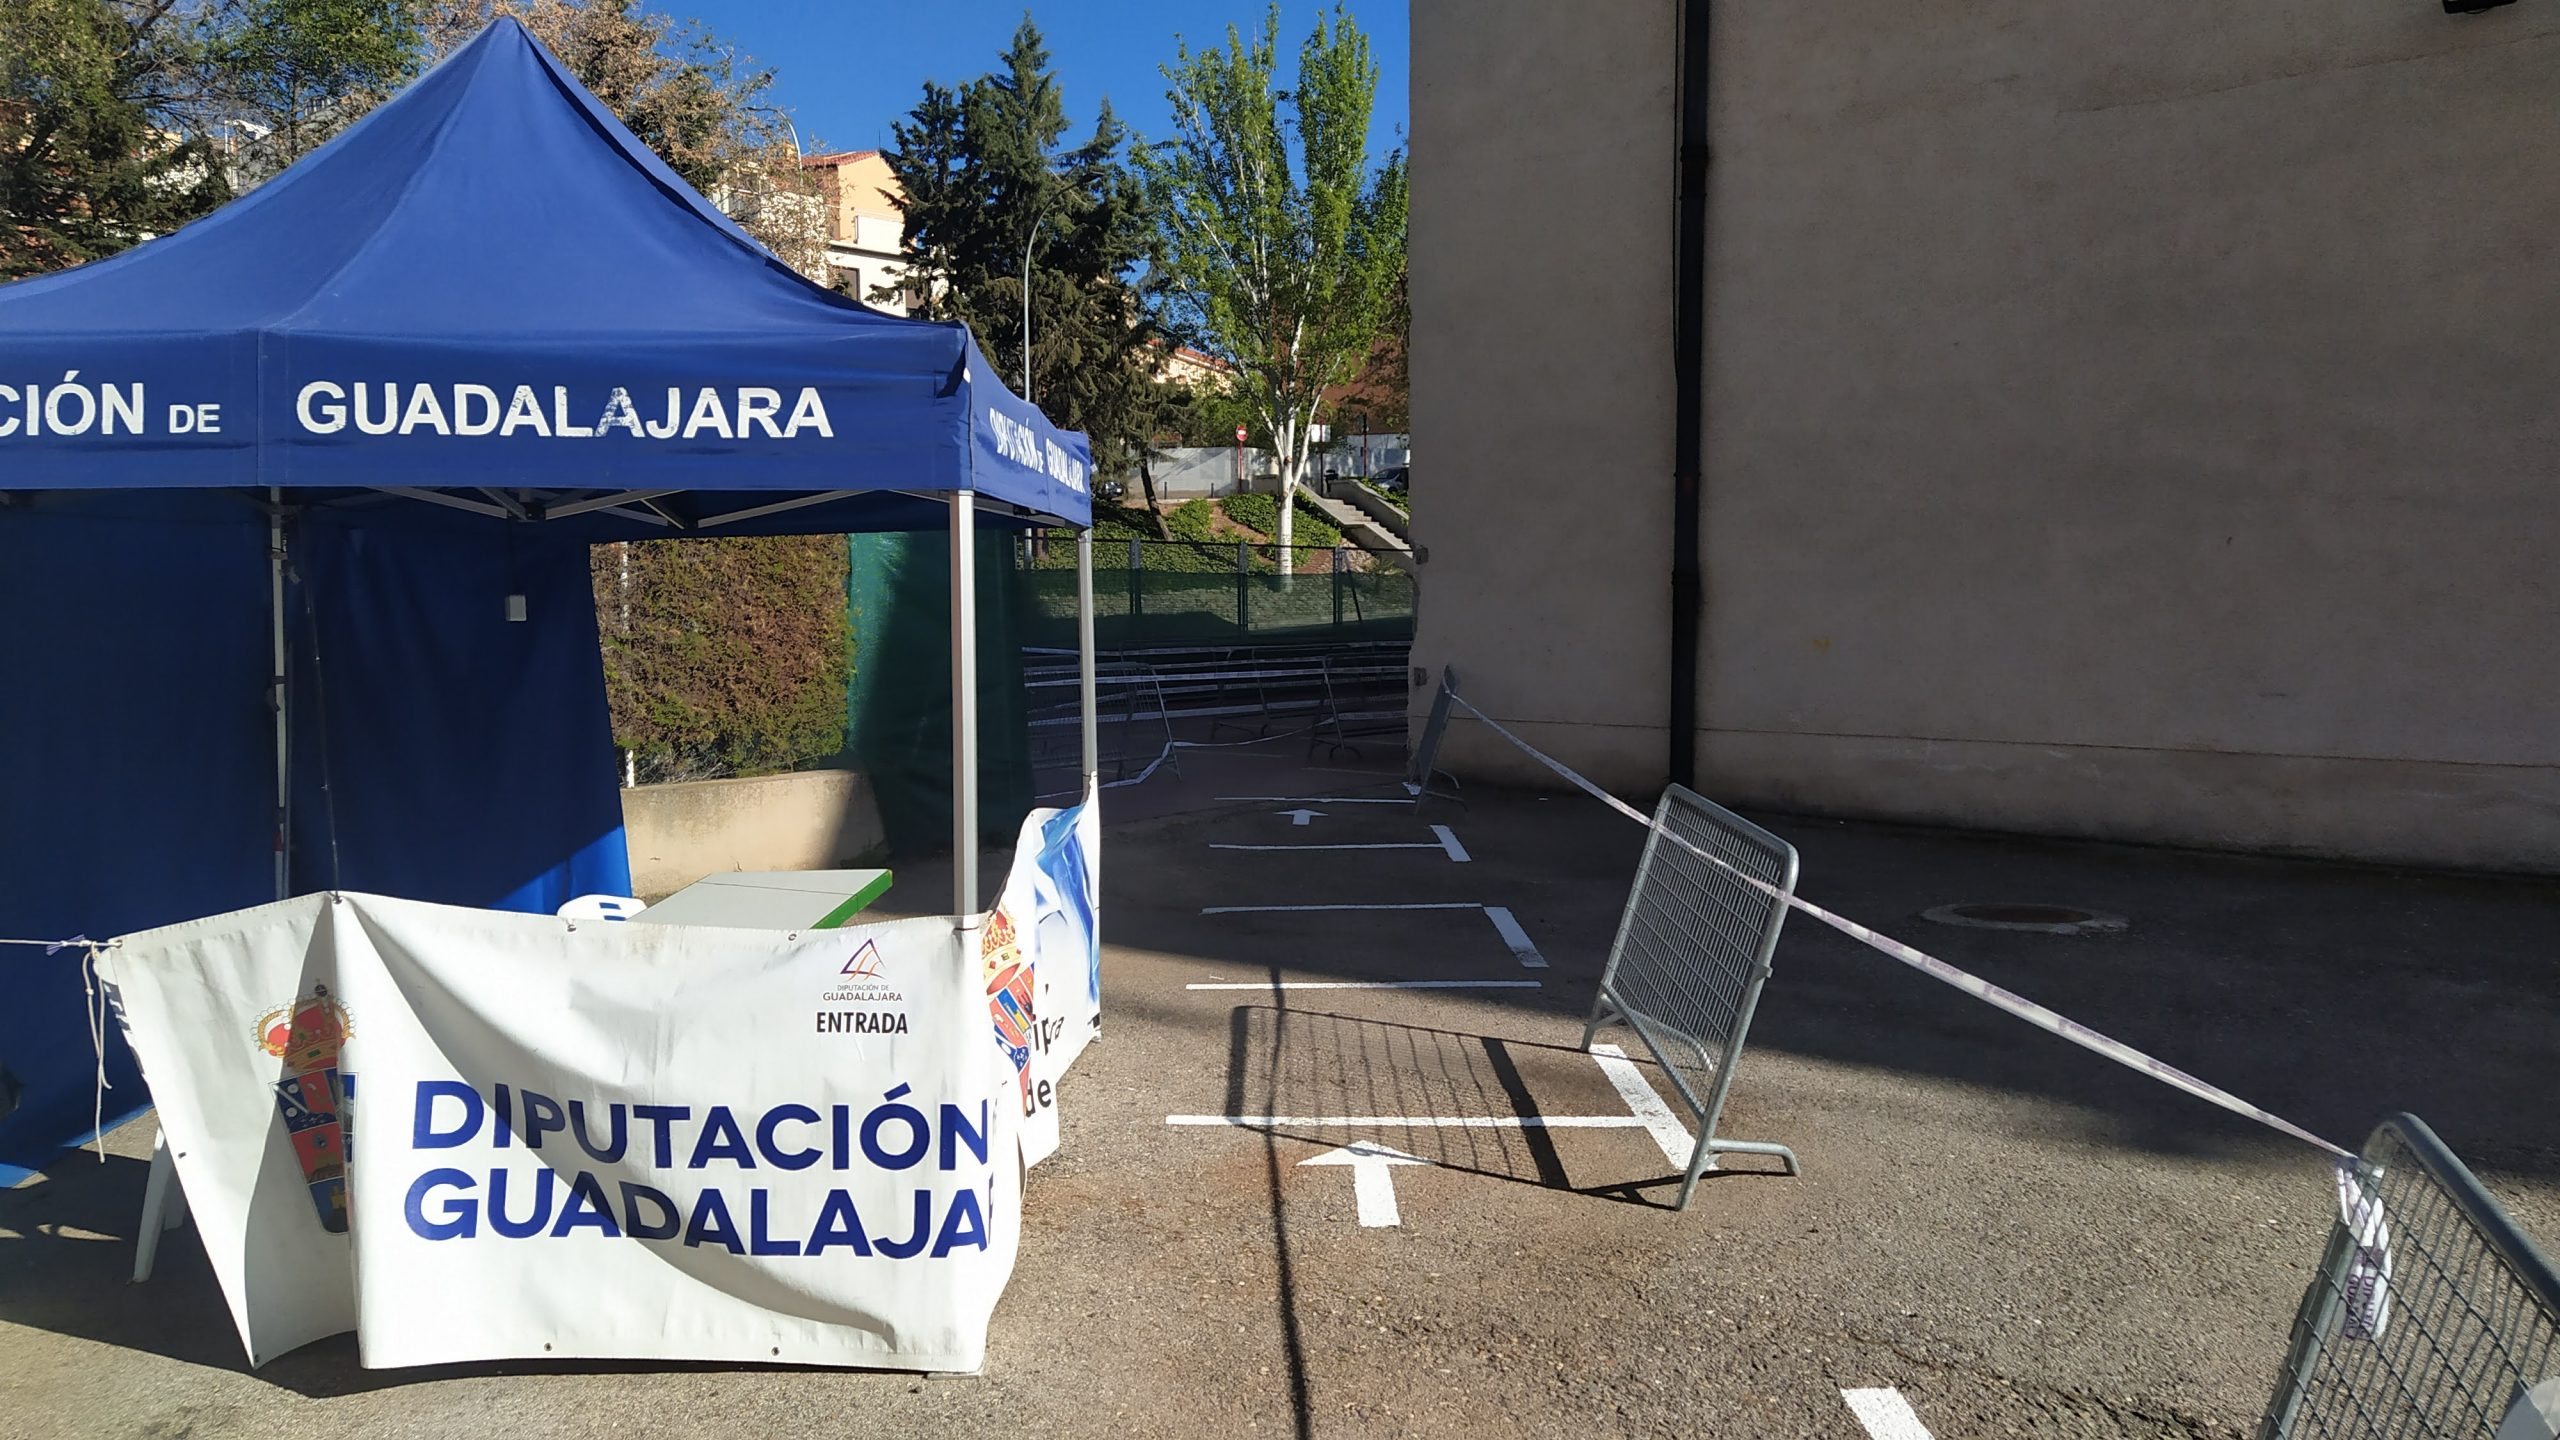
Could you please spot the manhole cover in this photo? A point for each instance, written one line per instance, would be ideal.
(2042, 919)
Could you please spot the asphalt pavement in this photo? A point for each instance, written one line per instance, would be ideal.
(2014, 1236)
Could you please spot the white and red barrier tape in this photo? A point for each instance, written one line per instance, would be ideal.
(1936, 969)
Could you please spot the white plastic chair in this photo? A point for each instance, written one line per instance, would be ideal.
(601, 907)
(164, 1208)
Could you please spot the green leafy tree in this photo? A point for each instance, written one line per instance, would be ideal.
(284, 75)
(992, 191)
(1281, 246)
(94, 99)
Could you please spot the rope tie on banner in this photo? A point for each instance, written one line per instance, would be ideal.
(94, 1010)
(1936, 969)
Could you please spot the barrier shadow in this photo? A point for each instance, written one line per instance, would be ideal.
(2331, 994)
(66, 1250)
(1291, 1065)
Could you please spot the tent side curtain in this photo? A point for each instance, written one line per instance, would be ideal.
(1018, 456)
(441, 751)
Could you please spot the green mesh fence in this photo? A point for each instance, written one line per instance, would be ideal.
(898, 696)
(1193, 594)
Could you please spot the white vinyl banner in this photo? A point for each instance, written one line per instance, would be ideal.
(472, 1135)
(1051, 911)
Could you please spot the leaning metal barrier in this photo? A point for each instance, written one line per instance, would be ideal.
(1423, 764)
(1692, 954)
(2431, 1315)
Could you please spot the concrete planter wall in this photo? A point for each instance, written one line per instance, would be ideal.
(814, 820)
(1367, 502)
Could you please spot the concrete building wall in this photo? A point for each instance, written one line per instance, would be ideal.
(1549, 598)
(812, 820)
(2129, 421)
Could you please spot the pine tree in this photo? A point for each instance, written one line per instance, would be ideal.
(986, 180)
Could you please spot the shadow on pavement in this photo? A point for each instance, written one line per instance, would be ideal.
(1288, 1066)
(66, 1266)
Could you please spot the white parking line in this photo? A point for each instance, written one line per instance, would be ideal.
(1459, 856)
(1886, 1414)
(1276, 909)
(1371, 985)
(1319, 799)
(1515, 937)
(1645, 1105)
(1440, 1122)
(1522, 947)
(1449, 842)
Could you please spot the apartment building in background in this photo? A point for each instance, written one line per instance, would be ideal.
(864, 226)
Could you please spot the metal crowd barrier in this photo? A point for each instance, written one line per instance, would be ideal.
(1691, 955)
(2431, 1315)
(1423, 765)
(1360, 702)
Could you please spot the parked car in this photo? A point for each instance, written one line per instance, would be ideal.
(1392, 479)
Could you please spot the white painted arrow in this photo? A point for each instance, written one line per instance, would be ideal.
(1302, 815)
(1371, 1187)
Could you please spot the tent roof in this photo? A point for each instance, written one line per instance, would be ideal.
(489, 289)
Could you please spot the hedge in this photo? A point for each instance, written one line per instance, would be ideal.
(724, 657)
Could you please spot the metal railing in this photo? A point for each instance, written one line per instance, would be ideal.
(1692, 954)
(2431, 1315)
(1331, 693)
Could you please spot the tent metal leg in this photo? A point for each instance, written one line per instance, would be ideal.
(964, 708)
(276, 693)
(1084, 664)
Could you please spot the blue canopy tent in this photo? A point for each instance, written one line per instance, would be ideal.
(294, 506)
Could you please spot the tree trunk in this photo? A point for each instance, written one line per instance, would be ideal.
(1147, 487)
(1288, 518)
(1285, 449)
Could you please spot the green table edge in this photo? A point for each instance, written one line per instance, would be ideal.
(855, 904)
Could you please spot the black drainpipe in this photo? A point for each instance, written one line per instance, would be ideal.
(1688, 368)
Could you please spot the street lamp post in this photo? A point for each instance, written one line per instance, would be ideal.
(1030, 242)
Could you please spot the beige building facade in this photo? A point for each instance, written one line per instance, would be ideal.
(859, 194)
(2123, 421)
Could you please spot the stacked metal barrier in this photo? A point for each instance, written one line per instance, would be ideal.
(1691, 955)
(1362, 699)
(2431, 1315)
(1334, 692)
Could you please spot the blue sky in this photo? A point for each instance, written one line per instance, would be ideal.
(848, 68)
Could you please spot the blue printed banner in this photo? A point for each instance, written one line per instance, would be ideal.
(628, 1141)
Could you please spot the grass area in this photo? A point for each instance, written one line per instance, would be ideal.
(1211, 529)
(1192, 520)
(1262, 513)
